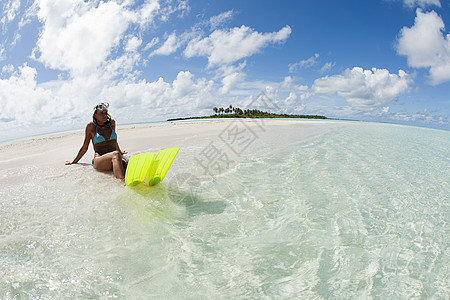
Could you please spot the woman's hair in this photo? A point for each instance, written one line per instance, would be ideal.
(108, 120)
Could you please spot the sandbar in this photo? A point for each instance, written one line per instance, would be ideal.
(58, 148)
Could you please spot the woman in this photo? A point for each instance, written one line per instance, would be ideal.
(101, 132)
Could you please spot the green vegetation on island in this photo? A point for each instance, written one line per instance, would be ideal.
(236, 112)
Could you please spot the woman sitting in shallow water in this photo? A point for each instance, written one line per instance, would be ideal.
(101, 132)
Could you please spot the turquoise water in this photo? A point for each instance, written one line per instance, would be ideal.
(330, 211)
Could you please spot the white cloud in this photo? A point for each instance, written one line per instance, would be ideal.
(365, 89)
(424, 117)
(174, 42)
(133, 44)
(9, 11)
(293, 67)
(291, 99)
(228, 46)
(181, 6)
(183, 85)
(151, 44)
(7, 69)
(425, 46)
(148, 12)
(287, 82)
(58, 102)
(2, 53)
(121, 66)
(17, 37)
(230, 81)
(23, 101)
(89, 40)
(28, 16)
(304, 64)
(159, 99)
(327, 67)
(171, 45)
(301, 87)
(220, 19)
(80, 37)
(421, 3)
(137, 93)
(76, 37)
(226, 70)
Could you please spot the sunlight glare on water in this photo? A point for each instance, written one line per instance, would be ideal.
(349, 210)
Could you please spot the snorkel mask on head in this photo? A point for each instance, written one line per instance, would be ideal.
(101, 106)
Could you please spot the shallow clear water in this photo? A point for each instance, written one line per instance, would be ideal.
(340, 210)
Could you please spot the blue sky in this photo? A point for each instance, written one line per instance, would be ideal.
(380, 60)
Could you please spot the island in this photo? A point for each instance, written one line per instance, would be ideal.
(236, 112)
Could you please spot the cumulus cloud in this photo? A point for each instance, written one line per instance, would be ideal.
(291, 100)
(80, 37)
(171, 45)
(57, 102)
(287, 82)
(23, 100)
(92, 43)
(365, 89)
(147, 13)
(228, 46)
(183, 85)
(230, 81)
(173, 42)
(426, 46)
(181, 95)
(76, 37)
(133, 44)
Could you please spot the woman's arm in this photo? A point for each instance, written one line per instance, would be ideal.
(85, 147)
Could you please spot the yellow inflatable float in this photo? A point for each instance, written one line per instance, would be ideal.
(149, 167)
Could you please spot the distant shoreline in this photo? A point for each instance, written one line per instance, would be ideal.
(235, 112)
(236, 116)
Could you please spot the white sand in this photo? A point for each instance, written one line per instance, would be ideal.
(58, 148)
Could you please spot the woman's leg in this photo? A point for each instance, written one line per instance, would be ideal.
(110, 161)
(118, 169)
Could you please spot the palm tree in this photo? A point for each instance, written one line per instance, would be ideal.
(216, 110)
